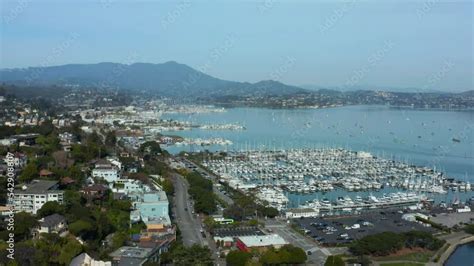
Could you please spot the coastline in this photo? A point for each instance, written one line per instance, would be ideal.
(450, 250)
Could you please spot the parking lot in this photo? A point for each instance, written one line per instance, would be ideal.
(338, 230)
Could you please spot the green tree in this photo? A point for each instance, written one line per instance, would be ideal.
(80, 227)
(469, 229)
(49, 208)
(110, 139)
(29, 173)
(24, 222)
(292, 255)
(270, 257)
(69, 250)
(237, 258)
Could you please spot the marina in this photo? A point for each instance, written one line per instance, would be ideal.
(278, 176)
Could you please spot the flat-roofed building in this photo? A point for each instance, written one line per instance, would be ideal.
(245, 243)
(298, 213)
(135, 256)
(106, 171)
(34, 195)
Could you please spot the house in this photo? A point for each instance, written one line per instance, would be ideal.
(45, 173)
(84, 259)
(152, 207)
(128, 186)
(53, 223)
(66, 138)
(128, 255)
(66, 181)
(93, 192)
(26, 139)
(106, 171)
(159, 234)
(245, 243)
(31, 197)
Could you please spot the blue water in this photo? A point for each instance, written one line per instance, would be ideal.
(462, 256)
(416, 136)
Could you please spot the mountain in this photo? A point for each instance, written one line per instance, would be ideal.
(169, 79)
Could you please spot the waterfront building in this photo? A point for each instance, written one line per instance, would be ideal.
(299, 213)
(34, 195)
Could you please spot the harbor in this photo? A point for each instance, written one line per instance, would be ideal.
(310, 178)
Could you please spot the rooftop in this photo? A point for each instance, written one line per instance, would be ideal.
(155, 196)
(37, 186)
(262, 241)
(52, 220)
(132, 252)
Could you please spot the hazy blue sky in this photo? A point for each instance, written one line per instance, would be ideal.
(426, 45)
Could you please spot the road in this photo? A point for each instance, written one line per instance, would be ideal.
(188, 225)
(318, 254)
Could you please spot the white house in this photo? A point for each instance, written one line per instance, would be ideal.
(34, 195)
(128, 186)
(106, 171)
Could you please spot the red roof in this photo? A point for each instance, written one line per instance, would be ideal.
(67, 180)
(45, 172)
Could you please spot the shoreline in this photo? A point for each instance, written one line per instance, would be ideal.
(450, 250)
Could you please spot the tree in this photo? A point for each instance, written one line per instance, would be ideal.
(24, 222)
(237, 258)
(334, 261)
(292, 255)
(151, 148)
(49, 208)
(110, 139)
(29, 173)
(168, 186)
(469, 229)
(270, 257)
(80, 227)
(69, 250)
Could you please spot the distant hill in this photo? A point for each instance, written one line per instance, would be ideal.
(169, 79)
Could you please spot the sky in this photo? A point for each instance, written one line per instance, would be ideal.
(396, 44)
